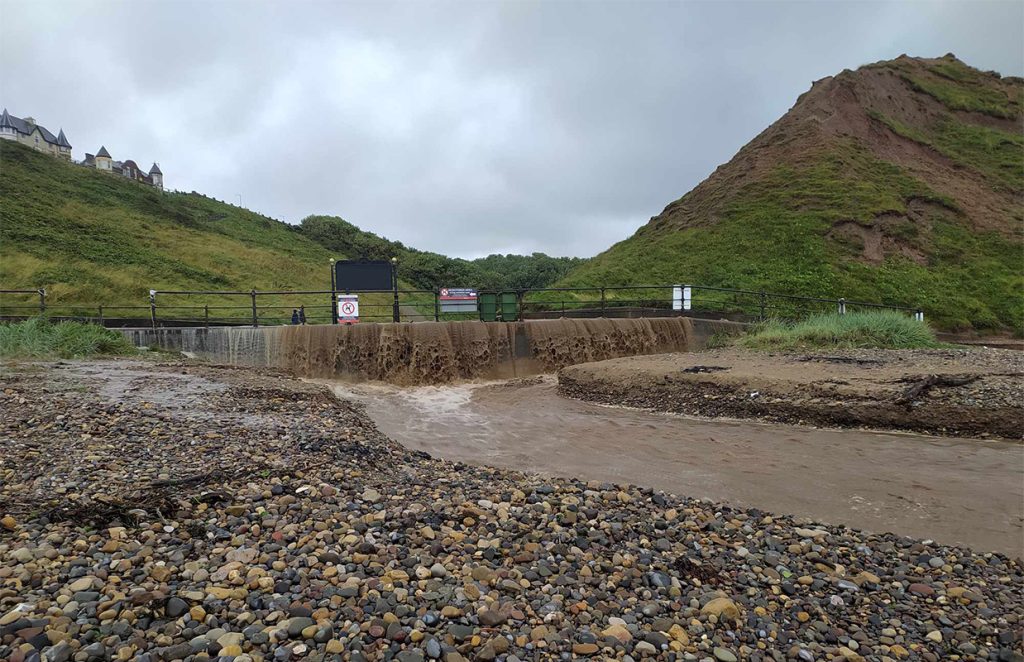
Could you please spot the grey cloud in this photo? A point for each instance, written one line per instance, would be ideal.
(458, 127)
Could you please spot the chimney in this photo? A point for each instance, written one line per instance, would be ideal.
(31, 121)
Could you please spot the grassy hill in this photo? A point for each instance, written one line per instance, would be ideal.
(92, 237)
(900, 182)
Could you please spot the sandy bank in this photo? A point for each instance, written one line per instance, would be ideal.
(976, 392)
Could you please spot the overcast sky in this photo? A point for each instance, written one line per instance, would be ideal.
(464, 128)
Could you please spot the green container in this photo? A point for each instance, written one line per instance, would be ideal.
(488, 305)
(509, 302)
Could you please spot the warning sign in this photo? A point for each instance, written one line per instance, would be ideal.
(458, 300)
(348, 308)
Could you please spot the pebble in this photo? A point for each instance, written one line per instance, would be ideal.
(284, 547)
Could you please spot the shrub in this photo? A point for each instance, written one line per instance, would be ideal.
(884, 330)
(39, 338)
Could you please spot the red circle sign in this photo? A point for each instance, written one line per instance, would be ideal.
(348, 308)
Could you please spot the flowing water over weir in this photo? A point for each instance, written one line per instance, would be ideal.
(435, 352)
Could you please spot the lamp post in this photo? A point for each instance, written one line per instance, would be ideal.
(334, 299)
(396, 314)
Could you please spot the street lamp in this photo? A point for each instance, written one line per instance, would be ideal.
(396, 314)
(334, 299)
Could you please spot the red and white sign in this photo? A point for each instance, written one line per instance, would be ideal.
(458, 300)
(348, 308)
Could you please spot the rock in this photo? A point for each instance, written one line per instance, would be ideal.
(645, 648)
(723, 608)
(935, 636)
(9, 523)
(810, 533)
(619, 632)
(921, 589)
(371, 495)
(83, 584)
(724, 654)
(585, 649)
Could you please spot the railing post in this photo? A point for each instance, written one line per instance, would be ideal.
(437, 305)
(842, 306)
(101, 315)
(602, 302)
(152, 308)
(206, 316)
(764, 305)
(255, 319)
(42, 302)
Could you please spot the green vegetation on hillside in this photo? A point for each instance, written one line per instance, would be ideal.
(959, 87)
(39, 339)
(880, 330)
(995, 154)
(771, 236)
(431, 270)
(92, 237)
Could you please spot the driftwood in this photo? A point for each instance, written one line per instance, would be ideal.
(841, 359)
(925, 384)
(187, 480)
(704, 368)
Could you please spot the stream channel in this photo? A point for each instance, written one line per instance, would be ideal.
(955, 491)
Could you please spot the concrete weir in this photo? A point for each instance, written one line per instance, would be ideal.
(435, 352)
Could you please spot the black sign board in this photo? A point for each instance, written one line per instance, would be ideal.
(362, 275)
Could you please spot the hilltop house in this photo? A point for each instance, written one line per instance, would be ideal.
(103, 161)
(26, 131)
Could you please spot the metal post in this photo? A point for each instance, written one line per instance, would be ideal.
(101, 314)
(437, 305)
(42, 301)
(842, 306)
(764, 305)
(152, 308)
(206, 316)
(334, 295)
(521, 295)
(396, 314)
(255, 319)
(602, 302)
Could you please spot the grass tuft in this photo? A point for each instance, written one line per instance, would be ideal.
(868, 330)
(39, 339)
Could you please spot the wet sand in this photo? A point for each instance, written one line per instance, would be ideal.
(955, 491)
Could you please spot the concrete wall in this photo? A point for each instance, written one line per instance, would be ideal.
(435, 352)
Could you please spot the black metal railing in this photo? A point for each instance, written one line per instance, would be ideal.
(279, 307)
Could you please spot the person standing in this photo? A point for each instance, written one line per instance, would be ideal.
(302, 314)
(295, 316)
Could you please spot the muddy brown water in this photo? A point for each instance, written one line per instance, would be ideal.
(955, 491)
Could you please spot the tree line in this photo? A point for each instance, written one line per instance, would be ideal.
(427, 270)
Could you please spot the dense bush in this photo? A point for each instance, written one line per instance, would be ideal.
(882, 330)
(428, 270)
(39, 338)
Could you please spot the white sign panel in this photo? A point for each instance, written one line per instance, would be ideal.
(682, 298)
(348, 308)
